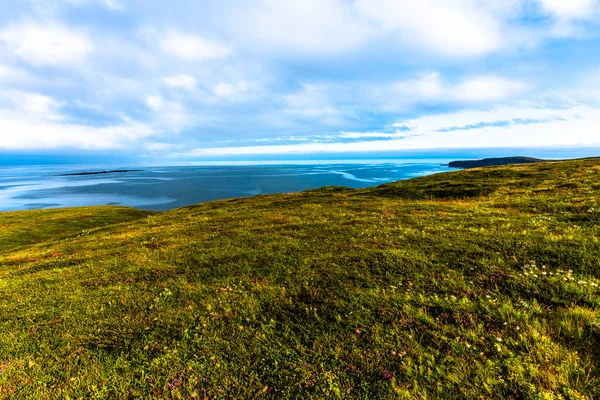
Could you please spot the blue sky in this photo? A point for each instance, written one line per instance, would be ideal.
(193, 80)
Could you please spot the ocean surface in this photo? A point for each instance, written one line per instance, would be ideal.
(164, 188)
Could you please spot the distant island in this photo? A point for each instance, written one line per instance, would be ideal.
(491, 162)
(115, 171)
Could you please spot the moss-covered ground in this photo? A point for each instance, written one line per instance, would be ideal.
(472, 284)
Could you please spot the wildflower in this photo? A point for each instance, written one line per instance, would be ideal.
(499, 339)
(388, 375)
(175, 383)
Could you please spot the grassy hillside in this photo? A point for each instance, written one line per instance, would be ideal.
(472, 284)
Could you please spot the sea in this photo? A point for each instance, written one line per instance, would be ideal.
(162, 188)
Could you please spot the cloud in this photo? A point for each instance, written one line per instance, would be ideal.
(300, 27)
(497, 128)
(169, 116)
(485, 88)
(431, 88)
(154, 102)
(508, 115)
(181, 82)
(193, 47)
(9, 74)
(5, 71)
(114, 5)
(46, 5)
(30, 106)
(31, 121)
(46, 44)
(312, 102)
(455, 28)
(297, 71)
(570, 9)
(399, 133)
(35, 135)
(570, 17)
(237, 92)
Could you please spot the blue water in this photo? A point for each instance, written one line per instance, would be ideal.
(164, 188)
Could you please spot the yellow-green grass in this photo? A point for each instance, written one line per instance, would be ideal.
(472, 284)
(24, 228)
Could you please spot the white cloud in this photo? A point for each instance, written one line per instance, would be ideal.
(192, 47)
(39, 105)
(570, 9)
(447, 28)
(431, 88)
(312, 102)
(386, 135)
(31, 106)
(426, 88)
(5, 71)
(38, 135)
(510, 115)
(31, 121)
(508, 127)
(485, 88)
(238, 91)
(114, 5)
(46, 44)
(9, 74)
(46, 5)
(455, 28)
(169, 116)
(300, 27)
(226, 89)
(154, 102)
(181, 82)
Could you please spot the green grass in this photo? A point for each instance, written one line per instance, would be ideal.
(472, 284)
(24, 228)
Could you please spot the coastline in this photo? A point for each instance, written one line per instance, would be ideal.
(168, 187)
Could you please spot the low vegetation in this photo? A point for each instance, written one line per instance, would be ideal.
(473, 284)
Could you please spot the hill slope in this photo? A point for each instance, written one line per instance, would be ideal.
(473, 284)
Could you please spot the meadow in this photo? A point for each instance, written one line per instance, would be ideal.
(476, 284)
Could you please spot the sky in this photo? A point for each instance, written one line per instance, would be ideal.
(199, 79)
